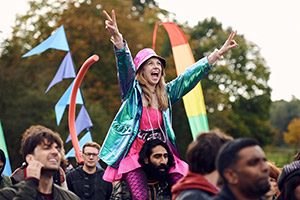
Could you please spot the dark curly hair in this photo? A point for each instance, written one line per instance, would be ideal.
(36, 135)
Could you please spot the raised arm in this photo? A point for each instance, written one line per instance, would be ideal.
(125, 65)
(217, 54)
(112, 27)
(193, 74)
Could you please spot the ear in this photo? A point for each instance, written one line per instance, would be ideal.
(28, 158)
(146, 160)
(231, 176)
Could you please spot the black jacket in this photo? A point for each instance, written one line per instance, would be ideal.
(226, 194)
(28, 190)
(89, 186)
(194, 194)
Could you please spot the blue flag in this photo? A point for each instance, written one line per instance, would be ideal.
(83, 121)
(66, 70)
(86, 138)
(58, 40)
(65, 100)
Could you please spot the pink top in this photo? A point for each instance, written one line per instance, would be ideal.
(130, 162)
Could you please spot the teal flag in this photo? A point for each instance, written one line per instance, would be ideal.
(7, 168)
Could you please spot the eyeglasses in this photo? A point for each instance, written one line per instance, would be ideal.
(91, 154)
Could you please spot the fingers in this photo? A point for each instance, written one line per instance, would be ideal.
(233, 44)
(107, 15)
(34, 167)
(113, 16)
(232, 34)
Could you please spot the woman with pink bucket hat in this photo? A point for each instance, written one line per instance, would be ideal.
(145, 112)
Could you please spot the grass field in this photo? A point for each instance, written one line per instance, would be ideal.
(280, 155)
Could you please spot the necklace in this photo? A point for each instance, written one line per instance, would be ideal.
(162, 132)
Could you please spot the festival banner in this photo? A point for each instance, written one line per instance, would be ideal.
(183, 58)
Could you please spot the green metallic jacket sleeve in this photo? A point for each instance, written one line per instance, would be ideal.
(185, 82)
(126, 70)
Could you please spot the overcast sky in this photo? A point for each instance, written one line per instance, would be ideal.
(274, 25)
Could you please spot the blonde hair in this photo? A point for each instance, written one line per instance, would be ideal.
(160, 88)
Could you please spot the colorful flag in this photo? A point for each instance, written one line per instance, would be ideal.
(183, 58)
(7, 168)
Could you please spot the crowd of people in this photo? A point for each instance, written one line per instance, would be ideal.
(140, 148)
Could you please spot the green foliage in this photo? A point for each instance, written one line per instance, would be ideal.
(281, 114)
(280, 155)
(292, 137)
(236, 92)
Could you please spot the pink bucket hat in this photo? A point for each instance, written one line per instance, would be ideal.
(143, 55)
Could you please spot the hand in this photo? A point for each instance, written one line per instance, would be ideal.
(112, 27)
(34, 167)
(229, 44)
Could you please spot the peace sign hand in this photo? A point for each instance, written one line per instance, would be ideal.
(112, 27)
(229, 44)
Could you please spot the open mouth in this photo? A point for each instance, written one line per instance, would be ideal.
(155, 74)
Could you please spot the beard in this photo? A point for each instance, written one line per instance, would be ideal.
(263, 188)
(257, 189)
(154, 173)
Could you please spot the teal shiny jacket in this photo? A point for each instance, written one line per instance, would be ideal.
(125, 125)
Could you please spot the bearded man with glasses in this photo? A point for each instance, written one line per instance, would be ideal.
(86, 181)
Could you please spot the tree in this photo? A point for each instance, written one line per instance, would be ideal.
(236, 92)
(292, 137)
(281, 115)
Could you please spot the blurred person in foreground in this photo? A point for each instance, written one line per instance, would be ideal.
(243, 167)
(289, 182)
(42, 150)
(201, 181)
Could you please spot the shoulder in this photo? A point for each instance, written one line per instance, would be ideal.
(74, 172)
(63, 193)
(193, 194)
(100, 170)
(8, 192)
(26, 189)
(5, 177)
(224, 194)
(6, 181)
(18, 175)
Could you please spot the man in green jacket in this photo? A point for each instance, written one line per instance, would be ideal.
(42, 150)
(4, 180)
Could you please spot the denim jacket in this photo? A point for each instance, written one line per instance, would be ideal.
(125, 125)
